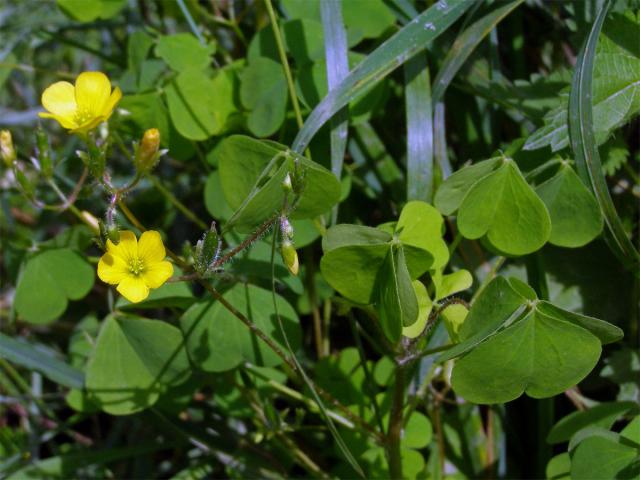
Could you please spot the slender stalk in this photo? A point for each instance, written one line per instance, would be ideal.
(177, 203)
(31, 69)
(294, 394)
(394, 431)
(326, 321)
(372, 390)
(285, 63)
(24, 386)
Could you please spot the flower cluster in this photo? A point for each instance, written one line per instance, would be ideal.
(135, 266)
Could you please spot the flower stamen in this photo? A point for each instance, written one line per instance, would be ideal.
(136, 266)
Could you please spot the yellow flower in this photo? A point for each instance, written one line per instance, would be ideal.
(83, 107)
(135, 266)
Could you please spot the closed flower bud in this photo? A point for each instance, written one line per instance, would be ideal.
(44, 155)
(290, 256)
(287, 186)
(148, 151)
(7, 151)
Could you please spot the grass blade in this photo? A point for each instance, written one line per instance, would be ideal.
(29, 357)
(192, 24)
(391, 54)
(335, 46)
(419, 129)
(466, 43)
(585, 148)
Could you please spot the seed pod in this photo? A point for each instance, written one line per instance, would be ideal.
(7, 151)
(113, 233)
(207, 250)
(44, 154)
(148, 151)
(290, 256)
(27, 187)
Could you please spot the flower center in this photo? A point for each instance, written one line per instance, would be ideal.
(136, 266)
(82, 116)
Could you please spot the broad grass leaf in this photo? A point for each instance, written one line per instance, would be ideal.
(506, 209)
(217, 341)
(425, 304)
(343, 235)
(421, 226)
(57, 276)
(417, 432)
(575, 215)
(191, 98)
(214, 200)
(538, 355)
(133, 362)
(497, 303)
(559, 467)
(588, 459)
(145, 110)
(304, 40)
(377, 20)
(452, 191)
(451, 283)
(398, 304)
(603, 415)
(251, 173)
(84, 11)
(606, 332)
(353, 270)
(183, 51)
(263, 91)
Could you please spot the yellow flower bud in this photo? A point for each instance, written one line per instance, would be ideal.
(290, 257)
(7, 152)
(148, 151)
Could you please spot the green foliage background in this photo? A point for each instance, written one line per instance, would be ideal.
(463, 194)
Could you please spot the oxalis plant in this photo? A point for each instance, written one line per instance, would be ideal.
(319, 239)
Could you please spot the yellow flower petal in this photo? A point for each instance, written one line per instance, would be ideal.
(113, 100)
(156, 274)
(88, 125)
(92, 93)
(60, 100)
(127, 248)
(66, 122)
(112, 269)
(133, 289)
(150, 247)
